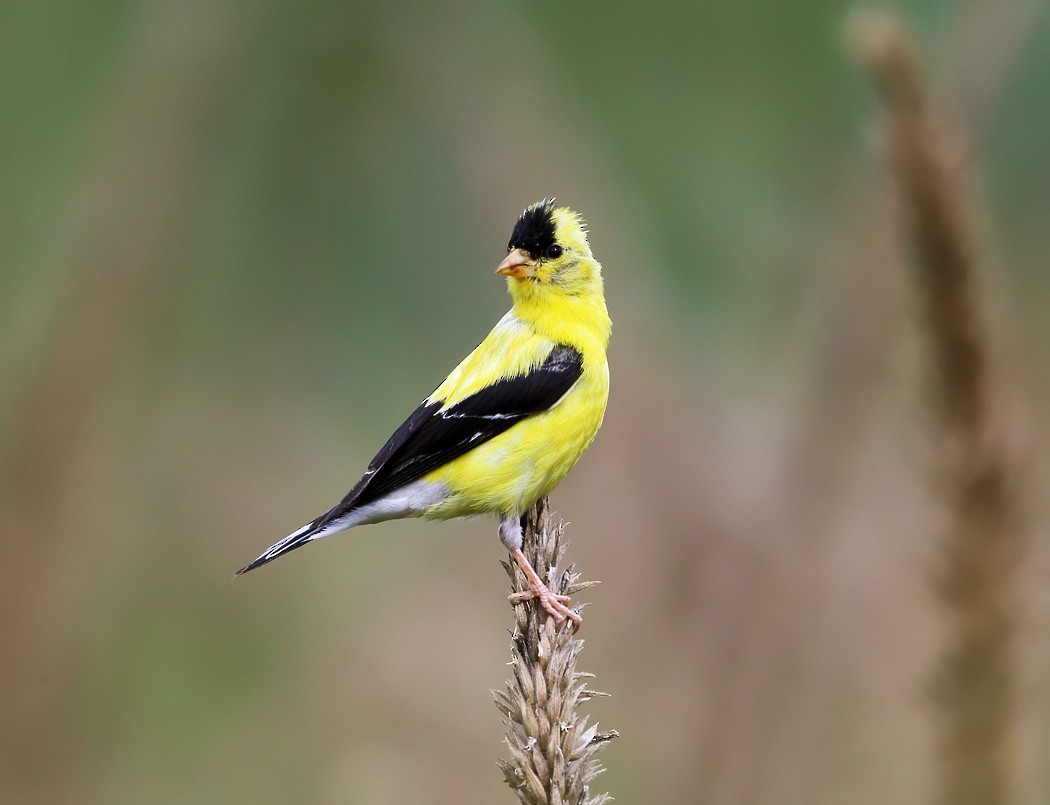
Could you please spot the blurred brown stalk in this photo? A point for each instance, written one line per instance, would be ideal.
(975, 684)
(552, 750)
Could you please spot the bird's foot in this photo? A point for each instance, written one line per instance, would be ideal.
(554, 603)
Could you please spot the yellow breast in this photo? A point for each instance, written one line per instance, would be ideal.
(512, 471)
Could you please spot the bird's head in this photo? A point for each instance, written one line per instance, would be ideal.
(548, 253)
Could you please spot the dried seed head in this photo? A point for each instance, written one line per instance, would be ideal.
(551, 746)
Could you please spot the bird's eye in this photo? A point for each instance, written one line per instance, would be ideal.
(554, 252)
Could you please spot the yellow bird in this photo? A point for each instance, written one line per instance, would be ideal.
(513, 418)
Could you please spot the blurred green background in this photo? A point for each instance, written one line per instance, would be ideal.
(241, 240)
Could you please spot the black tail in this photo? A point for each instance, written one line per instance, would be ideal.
(296, 539)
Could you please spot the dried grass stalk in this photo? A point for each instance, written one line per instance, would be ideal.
(975, 684)
(552, 748)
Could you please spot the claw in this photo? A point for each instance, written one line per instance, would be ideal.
(554, 603)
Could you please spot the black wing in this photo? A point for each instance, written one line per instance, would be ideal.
(430, 437)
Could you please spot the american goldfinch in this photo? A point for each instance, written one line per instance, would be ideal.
(512, 419)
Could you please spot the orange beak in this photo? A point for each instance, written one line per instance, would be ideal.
(517, 264)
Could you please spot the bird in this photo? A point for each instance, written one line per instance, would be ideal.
(510, 421)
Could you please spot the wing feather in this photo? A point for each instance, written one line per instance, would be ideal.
(434, 435)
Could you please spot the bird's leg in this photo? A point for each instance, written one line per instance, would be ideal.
(555, 604)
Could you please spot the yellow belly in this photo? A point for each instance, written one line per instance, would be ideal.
(511, 472)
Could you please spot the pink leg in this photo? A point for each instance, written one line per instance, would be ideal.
(552, 602)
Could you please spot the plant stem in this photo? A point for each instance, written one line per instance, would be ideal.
(981, 542)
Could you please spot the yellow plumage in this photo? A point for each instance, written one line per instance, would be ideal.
(515, 469)
(513, 418)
